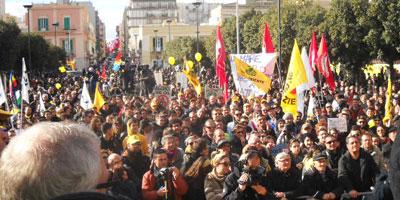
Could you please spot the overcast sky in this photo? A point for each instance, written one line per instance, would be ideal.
(110, 11)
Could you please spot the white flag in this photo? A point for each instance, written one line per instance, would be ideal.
(86, 102)
(41, 104)
(307, 66)
(3, 97)
(24, 83)
(311, 105)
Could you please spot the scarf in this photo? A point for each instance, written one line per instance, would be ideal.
(194, 169)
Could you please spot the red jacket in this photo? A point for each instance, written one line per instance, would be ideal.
(150, 192)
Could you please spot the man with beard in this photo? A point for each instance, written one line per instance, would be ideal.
(134, 158)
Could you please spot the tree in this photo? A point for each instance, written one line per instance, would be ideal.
(9, 32)
(347, 25)
(384, 37)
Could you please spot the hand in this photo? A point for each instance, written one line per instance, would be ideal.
(261, 190)
(161, 192)
(332, 195)
(175, 173)
(326, 196)
(353, 194)
(243, 181)
(299, 166)
(279, 194)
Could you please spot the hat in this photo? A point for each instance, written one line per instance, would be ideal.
(222, 143)
(235, 99)
(392, 129)
(328, 105)
(133, 140)
(319, 156)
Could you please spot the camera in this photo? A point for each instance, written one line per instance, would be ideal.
(254, 176)
(166, 172)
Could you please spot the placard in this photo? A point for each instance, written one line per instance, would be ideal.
(212, 91)
(158, 77)
(161, 90)
(338, 123)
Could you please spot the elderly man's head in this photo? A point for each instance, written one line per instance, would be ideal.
(49, 160)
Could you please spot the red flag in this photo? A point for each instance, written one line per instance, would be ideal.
(323, 63)
(220, 66)
(267, 47)
(103, 72)
(312, 52)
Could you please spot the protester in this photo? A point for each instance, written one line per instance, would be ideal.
(66, 161)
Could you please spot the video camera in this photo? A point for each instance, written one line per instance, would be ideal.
(166, 172)
(254, 176)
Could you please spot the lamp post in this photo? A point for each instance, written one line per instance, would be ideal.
(155, 46)
(55, 32)
(279, 39)
(28, 7)
(237, 28)
(197, 4)
(169, 29)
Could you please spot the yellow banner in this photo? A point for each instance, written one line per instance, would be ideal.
(296, 76)
(388, 103)
(259, 79)
(192, 78)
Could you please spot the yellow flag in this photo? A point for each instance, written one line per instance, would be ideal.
(296, 76)
(388, 103)
(259, 79)
(191, 76)
(98, 99)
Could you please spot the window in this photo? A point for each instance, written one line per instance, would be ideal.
(65, 45)
(43, 24)
(158, 44)
(67, 23)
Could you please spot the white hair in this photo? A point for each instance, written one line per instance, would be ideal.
(281, 156)
(48, 160)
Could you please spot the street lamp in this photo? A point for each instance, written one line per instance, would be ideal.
(279, 38)
(55, 32)
(28, 7)
(155, 47)
(197, 4)
(169, 29)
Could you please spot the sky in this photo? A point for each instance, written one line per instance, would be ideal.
(110, 11)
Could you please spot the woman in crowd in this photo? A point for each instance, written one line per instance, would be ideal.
(196, 169)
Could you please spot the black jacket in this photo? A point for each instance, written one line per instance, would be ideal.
(288, 182)
(316, 184)
(394, 168)
(357, 174)
(231, 188)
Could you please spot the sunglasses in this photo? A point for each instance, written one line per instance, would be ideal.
(226, 164)
(330, 142)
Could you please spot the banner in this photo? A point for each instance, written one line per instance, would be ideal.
(181, 78)
(296, 76)
(259, 62)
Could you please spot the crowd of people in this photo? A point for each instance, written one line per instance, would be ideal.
(138, 147)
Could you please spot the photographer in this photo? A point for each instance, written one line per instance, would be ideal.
(248, 183)
(161, 182)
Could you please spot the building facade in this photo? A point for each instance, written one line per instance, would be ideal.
(2, 8)
(71, 26)
(149, 40)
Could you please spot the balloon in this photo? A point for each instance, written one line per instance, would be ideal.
(62, 69)
(189, 65)
(171, 60)
(116, 68)
(198, 56)
(58, 86)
